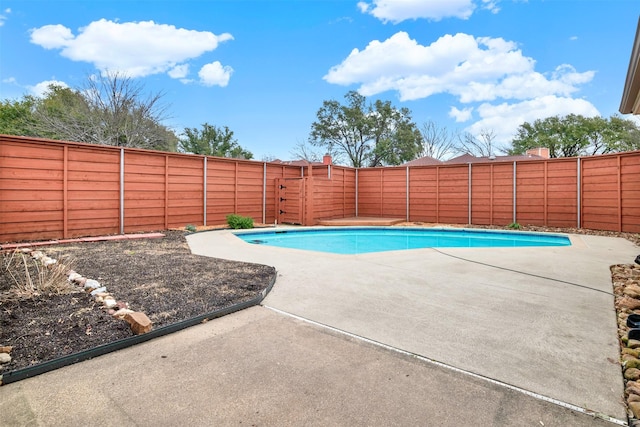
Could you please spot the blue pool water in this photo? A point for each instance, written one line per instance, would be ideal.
(380, 239)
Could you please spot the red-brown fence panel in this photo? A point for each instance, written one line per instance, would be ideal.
(562, 198)
(600, 193)
(93, 191)
(630, 192)
(31, 190)
(369, 187)
(185, 180)
(423, 194)
(146, 192)
(531, 194)
(453, 194)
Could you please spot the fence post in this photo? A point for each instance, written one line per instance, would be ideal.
(65, 192)
(356, 192)
(407, 193)
(470, 201)
(121, 190)
(579, 191)
(264, 193)
(515, 165)
(204, 186)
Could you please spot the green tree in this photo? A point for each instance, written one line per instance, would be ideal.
(576, 135)
(212, 141)
(368, 134)
(110, 109)
(16, 116)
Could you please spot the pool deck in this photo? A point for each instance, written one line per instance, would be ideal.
(447, 337)
(361, 221)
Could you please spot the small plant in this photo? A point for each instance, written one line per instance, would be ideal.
(237, 221)
(191, 228)
(31, 276)
(514, 226)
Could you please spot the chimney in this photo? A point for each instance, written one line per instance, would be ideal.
(540, 151)
(326, 159)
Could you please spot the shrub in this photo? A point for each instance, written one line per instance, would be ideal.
(192, 228)
(27, 276)
(514, 226)
(237, 221)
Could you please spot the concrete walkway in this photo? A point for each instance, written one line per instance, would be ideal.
(518, 341)
(540, 319)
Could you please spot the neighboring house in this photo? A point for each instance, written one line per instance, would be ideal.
(631, 95)
(423, 161)
(326, 160)
(533, 154)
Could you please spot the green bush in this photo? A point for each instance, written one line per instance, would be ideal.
(192, 228)
(514, 226)
(237, 221)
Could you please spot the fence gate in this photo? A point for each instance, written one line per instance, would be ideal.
(290, 200)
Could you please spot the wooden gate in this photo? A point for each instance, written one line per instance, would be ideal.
(290, 200)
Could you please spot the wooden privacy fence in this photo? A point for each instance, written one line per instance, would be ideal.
(55, 190)
(598, 192)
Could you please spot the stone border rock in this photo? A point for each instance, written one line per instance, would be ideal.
(626, 289)
(138, 321)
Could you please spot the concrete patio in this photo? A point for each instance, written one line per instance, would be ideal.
(511, 336)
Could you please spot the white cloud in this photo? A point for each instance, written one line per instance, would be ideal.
(179, 71)
(396, 11)
(137, 49)
(4, 16)
(461, 115)
(504, 119)
(42, 88)
(496, 83)
(472, 69)
(491, 6)
(215, 74)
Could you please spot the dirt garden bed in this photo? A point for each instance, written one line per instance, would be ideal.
(158, 277)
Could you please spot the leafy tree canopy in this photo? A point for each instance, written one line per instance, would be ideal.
(368, 134)
(16, 116)
(212, 141)
(110, 109)
(576, 135)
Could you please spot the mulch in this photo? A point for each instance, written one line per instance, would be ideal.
(159, 277)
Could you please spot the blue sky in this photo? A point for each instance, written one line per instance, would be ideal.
(263, 68)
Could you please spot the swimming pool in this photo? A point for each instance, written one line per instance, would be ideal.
(359, 240)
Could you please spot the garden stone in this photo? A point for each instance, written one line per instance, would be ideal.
(632, 374)
(140, 324)
(110, 303)
(124, 311)
(4, 358)
(92, 284)
(101, 289)
(6, 349)
(635, 408)
(633, 344)
(73, 276)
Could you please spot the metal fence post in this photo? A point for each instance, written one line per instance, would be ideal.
(408, 194)
(579, 191)
(121, 190)
(264, 193)
(515, 164)
(470, 201)
(204, 186)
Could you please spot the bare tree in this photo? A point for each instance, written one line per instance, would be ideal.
(438, 142)
(482, 145)
(110, 109)
(306, 151)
